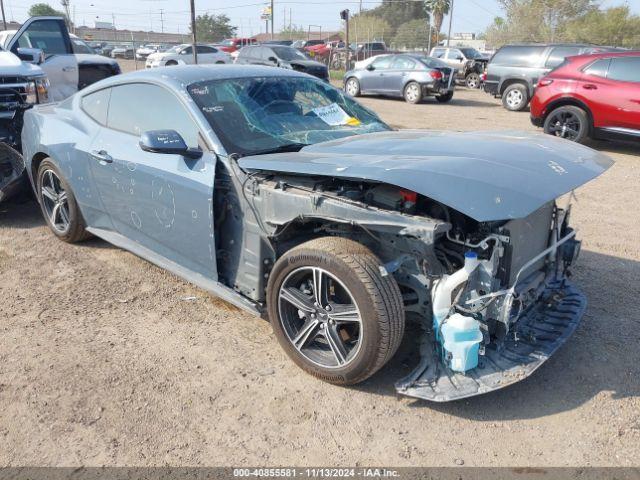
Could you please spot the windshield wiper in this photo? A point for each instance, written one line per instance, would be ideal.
(288, 147)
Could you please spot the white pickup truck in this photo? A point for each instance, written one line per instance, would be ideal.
(38, 64)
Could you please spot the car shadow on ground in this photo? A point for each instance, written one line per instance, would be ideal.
(598, 359)
(615, 146)
(23, 212)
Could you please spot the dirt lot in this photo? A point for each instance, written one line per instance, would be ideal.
(108, 360)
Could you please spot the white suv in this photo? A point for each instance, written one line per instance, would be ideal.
(183, 55)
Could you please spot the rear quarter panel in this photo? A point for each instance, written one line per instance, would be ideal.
(58, 132)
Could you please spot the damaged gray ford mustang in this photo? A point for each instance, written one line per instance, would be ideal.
(285, 197)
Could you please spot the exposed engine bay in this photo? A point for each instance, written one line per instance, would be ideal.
(469, 283)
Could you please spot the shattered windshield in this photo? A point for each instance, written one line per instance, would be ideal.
(261, 114)
(471, 53)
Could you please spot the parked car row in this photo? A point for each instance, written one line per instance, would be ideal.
(577, 92)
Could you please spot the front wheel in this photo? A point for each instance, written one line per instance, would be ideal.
(444, 98)
(569, 122)
(333, 311)
(58, 204)
(171, 63)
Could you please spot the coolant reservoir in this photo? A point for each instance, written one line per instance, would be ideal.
(461, 337)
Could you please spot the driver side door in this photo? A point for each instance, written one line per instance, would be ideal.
(50, 35)
(373, 81)
(160, 201)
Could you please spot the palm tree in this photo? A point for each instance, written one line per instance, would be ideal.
(438, 9)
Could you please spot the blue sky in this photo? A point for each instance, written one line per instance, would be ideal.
(468, 16)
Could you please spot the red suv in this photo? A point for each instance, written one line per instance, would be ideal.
(590, 96)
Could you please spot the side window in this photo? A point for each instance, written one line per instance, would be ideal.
(518, 56)
(96, 105)
(378, 46)
(205, 49)
(187, 51)
(625, 69)
(139, 107)
(558, 54)
(598, 68)
(266, 53)
(382, 63)
(47, 35)
(454, 55)
(403, 63)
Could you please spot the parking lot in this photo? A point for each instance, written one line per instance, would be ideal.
(106, 359)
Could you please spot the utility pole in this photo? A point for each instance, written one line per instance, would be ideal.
(272, 15)
(193, 32)
(344, 15)
(450, 20)
(429, 35)
(4, 20)
(162, 20)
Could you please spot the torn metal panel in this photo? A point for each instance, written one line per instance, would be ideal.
(11, 171)
(485, 175)
(540, 332)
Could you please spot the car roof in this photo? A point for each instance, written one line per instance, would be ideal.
(180, 76)
(609, 54)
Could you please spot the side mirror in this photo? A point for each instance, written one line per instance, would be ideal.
(371, 68)
(273, 59)
(30, 55)
(167, 142)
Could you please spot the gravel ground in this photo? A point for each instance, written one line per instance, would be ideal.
(108, 360)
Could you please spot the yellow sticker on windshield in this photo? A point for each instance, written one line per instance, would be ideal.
(354, 122)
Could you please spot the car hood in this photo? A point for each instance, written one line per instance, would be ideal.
(485, 175)
(12, 66)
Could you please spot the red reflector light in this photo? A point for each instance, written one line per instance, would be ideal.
(545, 82)
(435, 74)
(483, 77)
(409, 196)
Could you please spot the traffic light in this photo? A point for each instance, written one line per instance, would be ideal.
(344, 14)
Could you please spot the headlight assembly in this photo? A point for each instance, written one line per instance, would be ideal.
(42, 88)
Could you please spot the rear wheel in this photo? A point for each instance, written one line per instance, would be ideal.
(171, 63)
(58, 204)
(472, 80)
(569, 122)
(352, 87)
(413, 92)
(444, 98)
(515, 97)
(332, 310)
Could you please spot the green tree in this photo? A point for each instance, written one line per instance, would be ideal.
(213, 28)
(399, 12)
(363, 28)
(614, 26)
(537, 20)
(438, 9)
(38, 9)
(412, 35)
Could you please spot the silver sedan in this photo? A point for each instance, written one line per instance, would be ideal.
(413, 77)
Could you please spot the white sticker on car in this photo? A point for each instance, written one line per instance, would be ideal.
(334, 115)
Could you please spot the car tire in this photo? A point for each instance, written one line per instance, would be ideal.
(515, 98)
(412, 92)
(171, 63)
(58, 204)
(472, 80)
(220, 63)
(568, 122)
(444, 98)
(352, 87)
(328, 343)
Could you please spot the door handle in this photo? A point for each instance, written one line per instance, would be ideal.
(68, 69)
(101, 156)
(590, 86)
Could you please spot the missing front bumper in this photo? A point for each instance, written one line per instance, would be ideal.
(538, 334)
